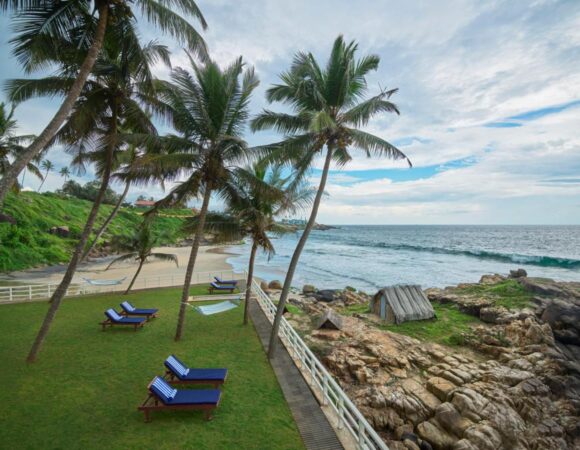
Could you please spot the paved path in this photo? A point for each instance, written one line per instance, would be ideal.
(313, 426)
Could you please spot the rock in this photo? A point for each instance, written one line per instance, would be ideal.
(483, 437)
(492, 314)
(464, 444)
(450, 419)
(309, 289)
(275, 284)
(326, 295)
(437, 437)
(518, 273)
(440, 387)
(264, 285)
(491, 279)
(411, 445)
(563, 316)
(350, 289)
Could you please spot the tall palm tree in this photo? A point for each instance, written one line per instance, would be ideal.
(11, 145)
(327, 111)
(47, 165)
(139, 248)
(112, 100)
(209, 109)
(65, 173)
(45, 29)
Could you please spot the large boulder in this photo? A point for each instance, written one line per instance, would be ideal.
(518, 273)
(275, 284)
(564, 319)
(327, 295)
(309, 289)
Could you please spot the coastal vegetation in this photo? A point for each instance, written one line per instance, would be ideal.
(30, 243)
(507, 293)
(86, 389)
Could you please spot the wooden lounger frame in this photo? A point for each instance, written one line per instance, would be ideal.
(110, 323)
(152, 403)
(222, 289)
(172, 378)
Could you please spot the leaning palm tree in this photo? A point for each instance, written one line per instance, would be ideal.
(11, 146)
(327, 111)
(45, 29)
(112, 100)
(209, 108)
(47, 165)
(139, 248)
(65, 173)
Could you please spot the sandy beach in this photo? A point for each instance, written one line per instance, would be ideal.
(209, 259)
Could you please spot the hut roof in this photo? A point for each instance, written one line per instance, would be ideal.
(330, 320)
(407, 303)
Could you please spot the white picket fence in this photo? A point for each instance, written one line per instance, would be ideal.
(34, 292)
(319, 378)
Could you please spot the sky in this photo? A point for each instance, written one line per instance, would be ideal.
(489, 94)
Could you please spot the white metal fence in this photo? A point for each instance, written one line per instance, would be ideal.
(317, 375)
(33, 292)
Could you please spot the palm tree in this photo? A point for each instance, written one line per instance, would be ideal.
(258, 198)
(139, 248)
(11, 146)
(65, 173)
(209, 109)
(327, 110)
(47, 165)
(46, 28)
(111, 101)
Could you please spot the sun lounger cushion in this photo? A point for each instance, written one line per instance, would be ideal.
(220, 281)
(115, 317)
(165, 392)
(129, 308)
(171, 396)
(185, 373)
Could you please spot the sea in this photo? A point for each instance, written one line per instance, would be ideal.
(371, 257)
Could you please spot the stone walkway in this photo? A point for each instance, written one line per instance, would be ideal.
(316, 431)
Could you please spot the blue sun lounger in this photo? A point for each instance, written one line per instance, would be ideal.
(179, 373)
(220, 281)
(162, 396)
(221, 287)
(113, 318)
(130, 310)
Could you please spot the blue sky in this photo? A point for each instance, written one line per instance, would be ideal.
(490, 106)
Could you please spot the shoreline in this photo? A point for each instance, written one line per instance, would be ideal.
(210, 258)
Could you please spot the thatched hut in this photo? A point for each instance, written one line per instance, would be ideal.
(398, 304)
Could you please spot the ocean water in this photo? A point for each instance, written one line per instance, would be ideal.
(370, 257)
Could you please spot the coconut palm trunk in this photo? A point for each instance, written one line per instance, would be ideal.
(53, 126)
(60, 292)
(191, 263)
(249, 281)
(296, 255)
(104, 226)
(141, 262)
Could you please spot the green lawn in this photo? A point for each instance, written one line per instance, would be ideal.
(85, 388)
(508, 293)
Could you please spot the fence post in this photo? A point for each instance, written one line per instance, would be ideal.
(324, 390)
(10, 294)
(29, 292)
(340, 413)
(361, 430)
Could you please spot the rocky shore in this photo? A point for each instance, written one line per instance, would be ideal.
(511, 382)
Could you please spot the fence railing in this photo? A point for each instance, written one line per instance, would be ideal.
(35, 292)
(317, 375)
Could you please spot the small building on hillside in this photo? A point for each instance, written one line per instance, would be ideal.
(398, 304)
(144, 203)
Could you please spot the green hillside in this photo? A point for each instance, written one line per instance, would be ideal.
(29, 243)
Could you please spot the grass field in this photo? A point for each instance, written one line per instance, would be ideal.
(85, 388)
